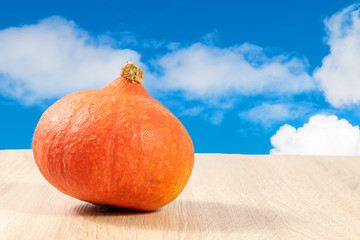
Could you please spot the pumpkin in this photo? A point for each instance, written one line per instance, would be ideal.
(114, 146)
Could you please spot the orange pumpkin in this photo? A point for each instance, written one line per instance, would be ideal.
(115, 146)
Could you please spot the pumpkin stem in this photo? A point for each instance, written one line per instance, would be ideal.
(132, 73)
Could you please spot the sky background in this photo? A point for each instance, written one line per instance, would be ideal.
(249, 77)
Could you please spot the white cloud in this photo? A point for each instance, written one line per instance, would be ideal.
(339, 74)
(322, 135)
(211, 38)
(53, 58)
(210, 73)
(216, 117)
(268, 114)
(192, 111)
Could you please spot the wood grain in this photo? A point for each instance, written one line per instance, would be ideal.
(228, 197)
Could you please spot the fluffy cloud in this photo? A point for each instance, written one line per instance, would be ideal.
(210, 73)
(268, 114)
(53, 58)
(339, 74)
(322, 135)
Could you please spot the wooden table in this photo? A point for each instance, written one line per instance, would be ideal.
(228, 197)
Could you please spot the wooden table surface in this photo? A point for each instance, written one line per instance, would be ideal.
(228, 197)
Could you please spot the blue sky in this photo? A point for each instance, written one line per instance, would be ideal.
(250, 77)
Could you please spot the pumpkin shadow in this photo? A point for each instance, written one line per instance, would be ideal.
(192, 216)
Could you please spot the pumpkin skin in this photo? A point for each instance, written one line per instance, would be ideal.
(116, 146)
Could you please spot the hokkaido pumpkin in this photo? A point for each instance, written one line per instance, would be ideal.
(114, 146)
